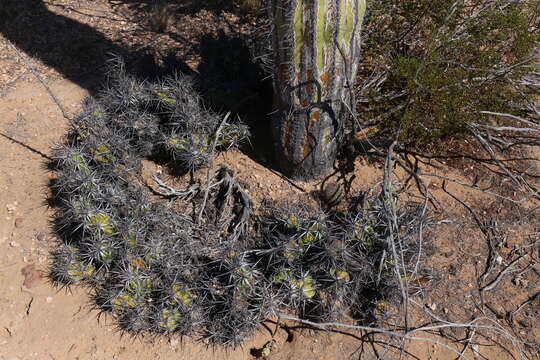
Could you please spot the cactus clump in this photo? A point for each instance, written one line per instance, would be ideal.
(202, 267)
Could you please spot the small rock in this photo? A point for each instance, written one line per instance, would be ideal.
(521, 282)
(49, 299)
(499, 259)
(523, 323)
(332, 194)
(11, 207)
(446, 310)
(174, 343)
(432, 306)
(13, 244)
(18, 222)
(32, 276)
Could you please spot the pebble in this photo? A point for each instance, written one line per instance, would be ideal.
(332, 194)
(432, 306)
(174, 343)
(11, 207)
(18, 222)
(499, 259)
(49, 299)
(32, 276)
(523, 323)
(519, 281)
(13, 244)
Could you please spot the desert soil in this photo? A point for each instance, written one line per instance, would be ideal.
(41, 321)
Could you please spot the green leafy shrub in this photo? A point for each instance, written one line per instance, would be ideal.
(433, 65)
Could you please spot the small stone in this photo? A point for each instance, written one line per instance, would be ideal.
(18, 222)
(432, 306)
(521, 282)
(32, 276)
(11, 207)
(332, 194)
(523, 323)
(174, 343)
(13, 244)
(499, 259)
(49, 299)
(446, 310)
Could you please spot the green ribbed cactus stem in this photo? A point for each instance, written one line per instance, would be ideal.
(316, 48)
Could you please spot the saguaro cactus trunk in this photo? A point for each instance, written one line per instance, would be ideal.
(316, 47)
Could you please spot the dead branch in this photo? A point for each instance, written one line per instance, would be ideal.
(210, 172)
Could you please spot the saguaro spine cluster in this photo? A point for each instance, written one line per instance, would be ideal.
(316, 47)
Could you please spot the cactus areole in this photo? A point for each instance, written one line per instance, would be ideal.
(316, 46)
